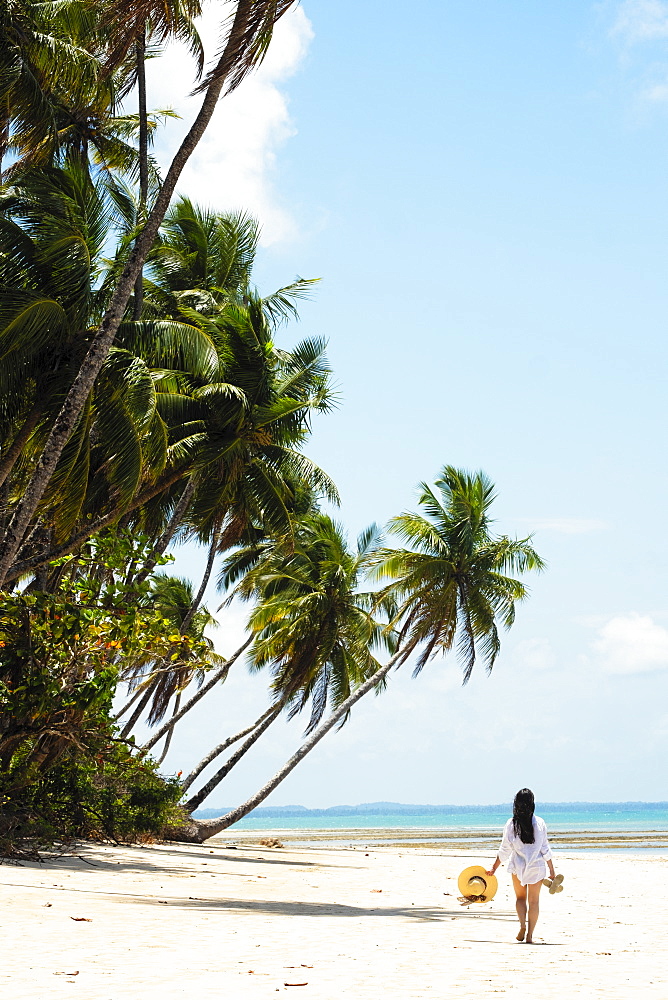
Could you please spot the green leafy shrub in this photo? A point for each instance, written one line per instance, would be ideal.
(100, 791)
(63, 772)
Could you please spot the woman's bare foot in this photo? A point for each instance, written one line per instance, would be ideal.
(522, 932)
(528, 941)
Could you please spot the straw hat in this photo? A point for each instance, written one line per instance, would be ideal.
(475, 881)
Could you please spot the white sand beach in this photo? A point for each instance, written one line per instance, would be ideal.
(167, 921)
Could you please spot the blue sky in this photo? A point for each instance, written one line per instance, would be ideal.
(482, 189)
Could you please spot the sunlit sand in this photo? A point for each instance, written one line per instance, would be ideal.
(160, 922)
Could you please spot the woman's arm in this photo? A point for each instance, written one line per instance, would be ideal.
(494, 866)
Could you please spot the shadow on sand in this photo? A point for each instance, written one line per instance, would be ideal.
(94, 860)
(296, 908)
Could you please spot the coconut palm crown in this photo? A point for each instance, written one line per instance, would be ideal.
(451, 585)
(314, 623)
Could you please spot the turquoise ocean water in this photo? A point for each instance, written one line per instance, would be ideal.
(571, 816)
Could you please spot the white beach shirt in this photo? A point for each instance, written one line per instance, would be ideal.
(527, 861)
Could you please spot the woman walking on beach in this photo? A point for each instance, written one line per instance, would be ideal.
(525, 843)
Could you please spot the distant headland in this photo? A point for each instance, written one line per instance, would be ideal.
(411, 809)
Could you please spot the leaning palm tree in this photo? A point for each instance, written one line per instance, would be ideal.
(235, 417)
(53, 227)
(452, 589)
(243, 533)
(314, 626)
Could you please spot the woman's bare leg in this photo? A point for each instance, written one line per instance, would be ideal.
(533, 892)
(520, 906)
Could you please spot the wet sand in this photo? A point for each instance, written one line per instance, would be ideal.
(168, 921)
(485, 841)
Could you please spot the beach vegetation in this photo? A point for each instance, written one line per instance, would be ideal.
(62, 652)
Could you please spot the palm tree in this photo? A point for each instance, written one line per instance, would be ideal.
(53, 227)
(313, 626)
(46, 57)
(452, 591)
(238, 431)
(133, 28)
(202, 259)
(242, 532)
(451, 586)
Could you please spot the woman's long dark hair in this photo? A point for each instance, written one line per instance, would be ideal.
(523, 808)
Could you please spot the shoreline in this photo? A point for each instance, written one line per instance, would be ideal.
(169, 921)
(405, 838)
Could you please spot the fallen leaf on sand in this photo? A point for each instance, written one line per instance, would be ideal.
(87, 920)
(306, 966)
(376, 890)
(295, 984)
(48, 904)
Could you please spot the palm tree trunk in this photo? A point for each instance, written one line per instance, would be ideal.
(198, 830)
(240, 39)
(92, 528)
(218, 676)
(129, 703)
(213, 782)
(143, 159)
(170, 732)
(169, 532)
(197, 600)
(216, 752)
(9, 458)
(4, 136)
(129, 725)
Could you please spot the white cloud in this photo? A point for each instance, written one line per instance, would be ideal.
(564, 525)
(234, 162)
(631, 644)
(535, 654)
(658, 93)
(642, 20)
